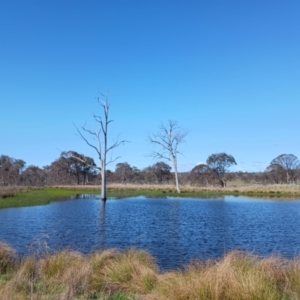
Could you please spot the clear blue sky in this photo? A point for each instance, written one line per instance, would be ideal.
(228, 71)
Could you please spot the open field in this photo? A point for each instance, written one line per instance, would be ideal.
(29, 196)
(133, 274)
(232, 189)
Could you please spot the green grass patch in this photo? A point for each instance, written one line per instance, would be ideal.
(42, 196)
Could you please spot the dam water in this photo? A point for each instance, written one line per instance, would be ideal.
(174, 230)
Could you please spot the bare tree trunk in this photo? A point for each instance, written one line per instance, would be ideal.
(176, 174)
(223, 182)
(103, 162)
(102, 148)
(168, 139)
(103, 185)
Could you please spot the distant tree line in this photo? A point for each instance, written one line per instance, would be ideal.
(67, 170)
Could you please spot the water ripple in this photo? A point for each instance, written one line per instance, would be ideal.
(174, 230)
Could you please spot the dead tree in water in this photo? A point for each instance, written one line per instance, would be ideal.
(101, 147)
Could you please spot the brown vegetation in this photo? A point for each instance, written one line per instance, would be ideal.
(69, 171)
(130, 189)
(232, 188)
(11, 191)
(133, 274)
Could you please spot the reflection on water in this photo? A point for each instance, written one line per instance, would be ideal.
(174, 230)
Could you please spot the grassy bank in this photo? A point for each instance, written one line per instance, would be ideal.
(133, 274)
(275, 190)
(28, 196)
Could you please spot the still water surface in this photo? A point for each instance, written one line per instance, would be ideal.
(174, 230)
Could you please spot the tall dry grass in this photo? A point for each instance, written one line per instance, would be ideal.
(236, 276)
(11, 191)
(7, 258)
(42, 195)
(6, 192)
(255, 190)
(232, 188)
(133, 274)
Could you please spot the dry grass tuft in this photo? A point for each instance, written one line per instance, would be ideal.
(7, 192)
(131, 271)
(75, 278)
(26, 275)
(98, 261)
(10, 191)
(133, 274)
(53, 266)
(7, 258)
(63, 276)
(293, 278)
(236, 276)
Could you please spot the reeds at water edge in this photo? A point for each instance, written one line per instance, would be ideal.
(134, 274)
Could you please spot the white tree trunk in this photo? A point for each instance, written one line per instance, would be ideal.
(101, 137)
(176, 174)
(103, 184)
(168, 139)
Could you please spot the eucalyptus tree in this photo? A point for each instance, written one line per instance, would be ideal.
(167, 139)
(79, 165)
(123, 172)
(219, 164)
(200, 174)
(100, 143)
(10, 170)
(160, 172)
(275, 174)
(287, 164)
(59, 172)
(33, 176)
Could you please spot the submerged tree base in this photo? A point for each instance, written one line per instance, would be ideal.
(133, 274)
